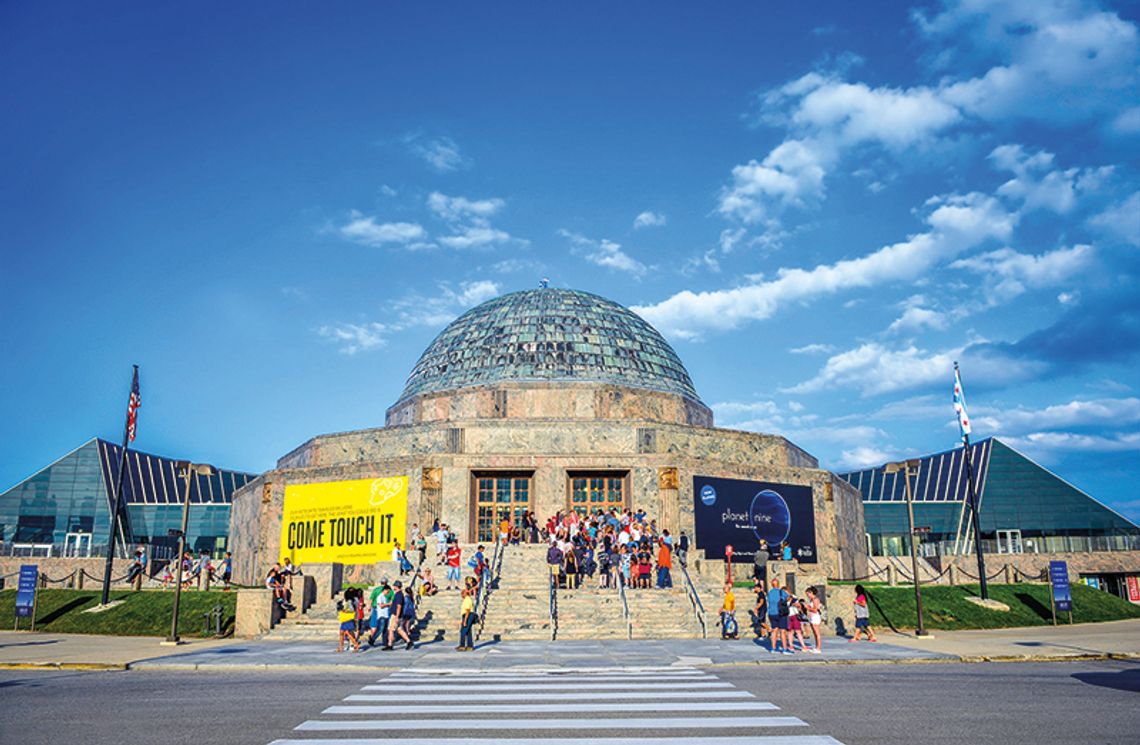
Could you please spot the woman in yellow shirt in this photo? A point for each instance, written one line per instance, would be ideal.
(467, 621)
(346, 614)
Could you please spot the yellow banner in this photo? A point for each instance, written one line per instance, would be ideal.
(351, 522)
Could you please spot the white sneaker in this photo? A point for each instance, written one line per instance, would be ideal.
(814, 650)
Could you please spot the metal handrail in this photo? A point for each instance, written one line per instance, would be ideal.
(553, 606)
(625, 607)
(493, 578)
(695, 601)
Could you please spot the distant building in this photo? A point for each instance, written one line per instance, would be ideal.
(1024, 509)
(64, 508)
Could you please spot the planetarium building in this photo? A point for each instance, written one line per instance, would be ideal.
(539, 401)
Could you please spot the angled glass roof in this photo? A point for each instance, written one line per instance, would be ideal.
(549, 334)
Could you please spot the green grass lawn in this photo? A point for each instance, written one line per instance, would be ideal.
(946, 607)
(145, 613)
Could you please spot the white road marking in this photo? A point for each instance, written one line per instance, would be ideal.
(737, 740)
(568, 724)
(461, 707)
(525, 695)
(545, 686)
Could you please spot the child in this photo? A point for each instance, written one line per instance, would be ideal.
(728, 627)
(862, 616)
(626, 562)
(346, 614)
(815, 617)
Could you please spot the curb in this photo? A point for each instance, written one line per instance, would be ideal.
(64, 666)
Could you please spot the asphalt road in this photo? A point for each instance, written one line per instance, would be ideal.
(1032, 703)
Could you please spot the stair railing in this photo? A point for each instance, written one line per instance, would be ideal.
(695, 601)
(625, 606)
(484, 596)
(553, 605)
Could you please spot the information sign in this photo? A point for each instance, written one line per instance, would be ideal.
(1059, 577)
(26, 590)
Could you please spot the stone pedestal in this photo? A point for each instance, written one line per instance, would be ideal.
(329, 579)
(256, 613)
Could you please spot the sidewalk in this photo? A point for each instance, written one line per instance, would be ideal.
(88, 651)
(1109, 639)
(1119, 639)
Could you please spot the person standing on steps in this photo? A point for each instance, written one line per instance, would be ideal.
(454, 574)
(466, 622)
(683, 549)
(664, 566)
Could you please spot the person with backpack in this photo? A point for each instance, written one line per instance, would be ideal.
(683, 549)
(778, 612)
(397, 622)
(728, 626)
(346, 614)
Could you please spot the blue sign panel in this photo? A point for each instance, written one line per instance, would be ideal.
(26, 590)
(1059, 576)
(732, 512)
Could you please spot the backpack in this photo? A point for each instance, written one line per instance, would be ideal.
(782, 606)
(409, 606)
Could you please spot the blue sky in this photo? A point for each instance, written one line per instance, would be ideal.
(273, 208)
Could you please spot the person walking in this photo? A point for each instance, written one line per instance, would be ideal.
(454, 575)
(683, 549)
(862, 616)
(728, 626)
(466, 622)
(395, 617)
(346, 614)
(227, 571)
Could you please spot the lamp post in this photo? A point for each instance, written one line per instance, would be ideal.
(909, 469)
(187, 471)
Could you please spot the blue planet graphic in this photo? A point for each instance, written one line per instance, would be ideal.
(770, 517)
(708, 494)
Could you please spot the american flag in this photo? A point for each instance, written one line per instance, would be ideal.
(133, 408)
(960, 405)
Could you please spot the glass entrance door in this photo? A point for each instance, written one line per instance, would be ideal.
(590, 492)
(77, 545)
(1009, 541)
(499, 496)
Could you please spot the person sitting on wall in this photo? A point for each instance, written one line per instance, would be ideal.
(276, 582)
(137, 568)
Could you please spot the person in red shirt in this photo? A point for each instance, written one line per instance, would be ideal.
(453, 574)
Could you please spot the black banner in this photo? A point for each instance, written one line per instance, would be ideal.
(732, 512)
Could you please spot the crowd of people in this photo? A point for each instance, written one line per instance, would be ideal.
(194, 569)
(618, 548)
(791, 624)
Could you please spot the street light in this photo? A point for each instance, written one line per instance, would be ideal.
(187, 471)
(910, 468)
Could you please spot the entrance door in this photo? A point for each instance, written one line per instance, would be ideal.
(590, 492)
(77, 545)
(499, 495)
(1009, 541)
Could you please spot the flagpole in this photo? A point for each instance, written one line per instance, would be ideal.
(973, 496)
(115, 500)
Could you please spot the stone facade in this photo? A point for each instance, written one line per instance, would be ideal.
(652, 454)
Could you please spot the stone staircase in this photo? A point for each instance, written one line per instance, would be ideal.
(518, 608)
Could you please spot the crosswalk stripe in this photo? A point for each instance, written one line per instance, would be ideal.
(476, 695)
(527, 680)
(678, 672)
(524, 708)
(738, 740)
(545, 686)
(568, 724)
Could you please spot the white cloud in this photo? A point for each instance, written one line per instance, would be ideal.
(1121, 220)
(750, 408)
(790, 175)
(364, 229)
(864, 456)
(475, 236)
(648, 219)
(353, 338)
(956, 222)
(1110, 412)
(441, 153)
(1039, 186)
(917, 318)
(453, 209)
(605, 253)
(813, 349)
(1045, 445)
(1009, 273)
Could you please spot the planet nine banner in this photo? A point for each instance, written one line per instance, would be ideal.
(737, 513)
(351, 522)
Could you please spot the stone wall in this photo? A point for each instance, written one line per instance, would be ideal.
(1034, 565)
(562, 400)
(660, 460)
